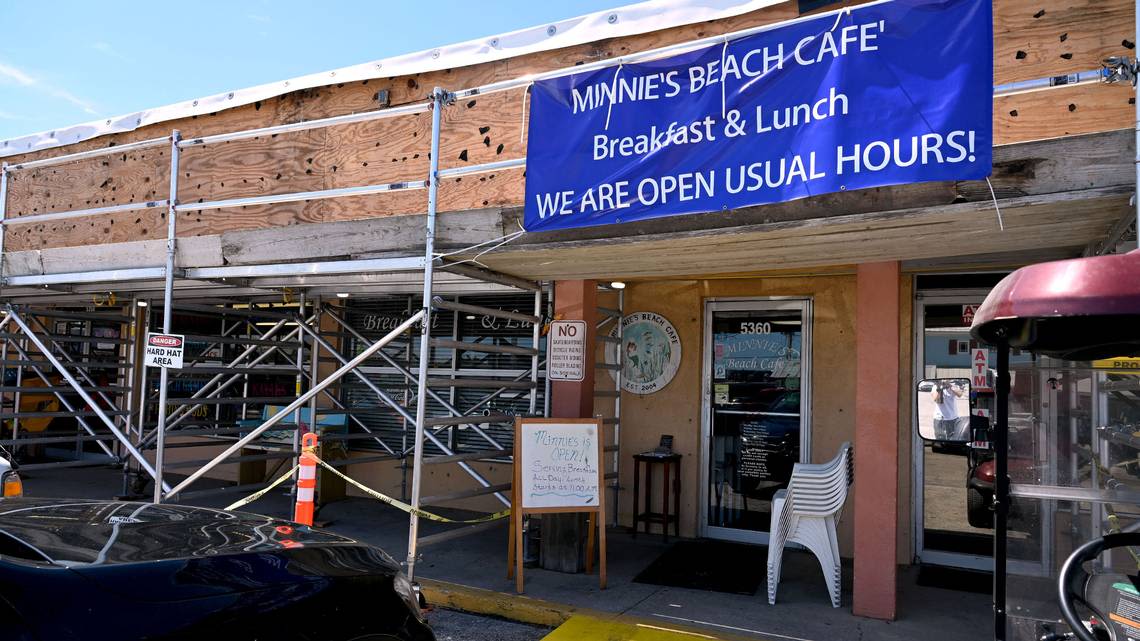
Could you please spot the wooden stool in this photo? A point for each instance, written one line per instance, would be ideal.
(663, 517)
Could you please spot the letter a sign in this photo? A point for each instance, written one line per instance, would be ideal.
(566, 351)
(980, 369)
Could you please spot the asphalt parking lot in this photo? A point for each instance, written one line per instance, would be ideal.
(450, 625)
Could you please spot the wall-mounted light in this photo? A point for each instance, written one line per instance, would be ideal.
(342, 294)
(141, 303)
(617, 284)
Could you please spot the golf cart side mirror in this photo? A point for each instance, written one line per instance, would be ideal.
(944, 410)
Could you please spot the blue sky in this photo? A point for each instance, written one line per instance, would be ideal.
(67, 62)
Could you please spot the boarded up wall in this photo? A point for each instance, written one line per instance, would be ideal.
(1033, 39)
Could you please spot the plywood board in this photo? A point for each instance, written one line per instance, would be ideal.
(1062, 111)
(1044, 38)
(344, 239)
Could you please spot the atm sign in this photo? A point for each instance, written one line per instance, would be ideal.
(164, 350)
(980, 368)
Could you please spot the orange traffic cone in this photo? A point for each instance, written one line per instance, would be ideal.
(306, 481)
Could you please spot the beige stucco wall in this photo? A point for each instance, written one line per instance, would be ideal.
(677, 408)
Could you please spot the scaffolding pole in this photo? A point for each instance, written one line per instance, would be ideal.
(3, 215)
(314, 363)
(17, 396)
(299, 384)
(167, 296)
(438, 98)
(536, 335)
(144, 390)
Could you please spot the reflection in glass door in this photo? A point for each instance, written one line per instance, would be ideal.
(956, 522)
(756, 405)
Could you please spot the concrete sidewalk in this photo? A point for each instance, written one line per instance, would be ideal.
(470, 573)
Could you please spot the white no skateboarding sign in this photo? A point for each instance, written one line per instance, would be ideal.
(566, 351)
(164, 350)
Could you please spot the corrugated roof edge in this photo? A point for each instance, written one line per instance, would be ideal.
(643, 17)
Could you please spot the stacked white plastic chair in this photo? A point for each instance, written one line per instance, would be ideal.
(806, 513)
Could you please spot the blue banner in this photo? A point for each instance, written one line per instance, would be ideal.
(900, 91)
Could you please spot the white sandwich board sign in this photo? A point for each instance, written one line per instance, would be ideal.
(558, 468)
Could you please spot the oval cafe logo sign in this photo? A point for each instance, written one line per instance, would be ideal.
(651, 352)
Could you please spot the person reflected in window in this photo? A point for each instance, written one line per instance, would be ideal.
(945, 396)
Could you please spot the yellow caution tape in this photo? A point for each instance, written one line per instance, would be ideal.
(262, 492)
(370, 492)
(408, 508)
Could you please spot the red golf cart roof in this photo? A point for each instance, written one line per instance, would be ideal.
(1080, 309)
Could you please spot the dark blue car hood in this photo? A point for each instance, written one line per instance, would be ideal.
(78, 570)
(84, 533)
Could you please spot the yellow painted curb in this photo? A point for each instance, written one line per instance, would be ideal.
(580, 628)
(571, 623)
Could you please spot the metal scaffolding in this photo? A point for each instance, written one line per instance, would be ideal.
(249, 324)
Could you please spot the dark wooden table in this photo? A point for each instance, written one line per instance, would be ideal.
(671, 465)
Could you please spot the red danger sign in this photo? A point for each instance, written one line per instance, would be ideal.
(164, 340)
(164, 350)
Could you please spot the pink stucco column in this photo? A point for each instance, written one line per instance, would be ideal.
(876, 488)
(576, 300)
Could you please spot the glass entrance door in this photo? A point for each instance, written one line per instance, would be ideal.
(952, 488)
(953, 485)
(756, 410)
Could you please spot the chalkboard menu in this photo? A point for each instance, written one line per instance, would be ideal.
(754, 451)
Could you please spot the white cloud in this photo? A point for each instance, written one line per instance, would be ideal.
(107, 50)
(62, 94)
(7, 115)
(15, 74)
(22, 78)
